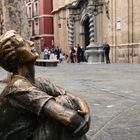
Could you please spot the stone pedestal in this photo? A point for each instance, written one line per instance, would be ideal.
(49, 63)
(94, 53)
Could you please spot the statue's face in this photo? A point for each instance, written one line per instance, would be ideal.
(26, 50)
(14, 51)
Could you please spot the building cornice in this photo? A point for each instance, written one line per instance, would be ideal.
(59, 9)
(46, 35)
(45, 16)
(43, 35)
(41, 16)
(72, 5)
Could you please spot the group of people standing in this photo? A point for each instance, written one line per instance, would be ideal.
(53, 53)
(76, 54)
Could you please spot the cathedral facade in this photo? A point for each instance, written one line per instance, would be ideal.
(85, 22)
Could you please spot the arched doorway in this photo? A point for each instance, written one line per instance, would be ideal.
(86, 31)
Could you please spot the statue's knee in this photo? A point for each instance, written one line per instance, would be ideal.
(67, 101)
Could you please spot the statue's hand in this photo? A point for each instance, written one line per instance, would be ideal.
(84, 127)
(5, 37)
(10, 33)
(85, 115)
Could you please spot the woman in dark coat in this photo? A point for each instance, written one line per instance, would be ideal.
(34, 108)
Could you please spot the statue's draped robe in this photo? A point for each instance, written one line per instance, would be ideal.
(21, 118)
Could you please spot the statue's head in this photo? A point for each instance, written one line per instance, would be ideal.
(16, 51)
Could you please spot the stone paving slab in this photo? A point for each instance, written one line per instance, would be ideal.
(112, 92)
(125, 126)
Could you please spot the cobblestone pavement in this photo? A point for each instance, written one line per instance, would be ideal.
(112, 92)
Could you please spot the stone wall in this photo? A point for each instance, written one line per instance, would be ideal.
(14, 14)
(122, 30)
(123, 25)
(60, 24)
(125, 53)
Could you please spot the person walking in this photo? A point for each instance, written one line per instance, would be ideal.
(106, 48)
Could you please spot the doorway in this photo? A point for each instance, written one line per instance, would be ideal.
(86, 30)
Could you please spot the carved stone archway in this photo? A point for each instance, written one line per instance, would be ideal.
(93, 52)
(84, 29)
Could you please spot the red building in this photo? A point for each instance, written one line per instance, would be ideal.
(41, 22)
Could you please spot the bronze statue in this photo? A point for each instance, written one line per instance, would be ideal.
(34, 108)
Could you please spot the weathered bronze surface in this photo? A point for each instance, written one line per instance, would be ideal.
(35, 108)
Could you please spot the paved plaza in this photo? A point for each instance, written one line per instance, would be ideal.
(111, 90)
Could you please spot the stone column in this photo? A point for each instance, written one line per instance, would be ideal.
(93, 52)
(91, 28)
(71, 32)
(91, 49)
(14, 15)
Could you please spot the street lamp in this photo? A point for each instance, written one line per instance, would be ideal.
(96, 7)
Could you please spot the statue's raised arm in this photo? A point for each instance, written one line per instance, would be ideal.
(32, 108)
